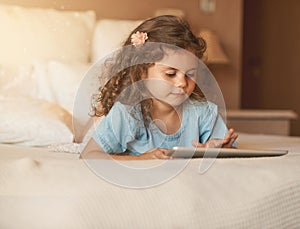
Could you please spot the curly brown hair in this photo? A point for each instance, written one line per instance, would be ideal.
(128, 64)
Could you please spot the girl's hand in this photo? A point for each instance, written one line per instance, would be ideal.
(227, 142)
(229, 139)
(156, 153)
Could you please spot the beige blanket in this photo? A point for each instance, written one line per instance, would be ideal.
(44, 189)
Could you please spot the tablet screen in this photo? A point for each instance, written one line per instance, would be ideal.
(189, 152)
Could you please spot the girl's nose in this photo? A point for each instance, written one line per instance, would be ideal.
(181, 80)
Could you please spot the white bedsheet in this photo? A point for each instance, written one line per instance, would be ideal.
(43, 189)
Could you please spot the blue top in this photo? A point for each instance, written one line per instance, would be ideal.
(123, 129)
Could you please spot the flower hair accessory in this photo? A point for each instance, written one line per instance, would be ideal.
(138, 38)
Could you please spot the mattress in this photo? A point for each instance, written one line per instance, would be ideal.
(40, 188)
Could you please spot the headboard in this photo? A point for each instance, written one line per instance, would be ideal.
(226, 21)
(57, 47)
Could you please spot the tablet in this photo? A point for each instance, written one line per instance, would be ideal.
(189, 152)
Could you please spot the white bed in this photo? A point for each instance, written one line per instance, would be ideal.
(44, 184)
(46, 189)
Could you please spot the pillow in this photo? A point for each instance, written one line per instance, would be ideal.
(31, 122)
(17, 81)
(37, 33)
(109, 35)
(58, 82)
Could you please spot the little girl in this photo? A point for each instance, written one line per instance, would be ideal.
(151, 101)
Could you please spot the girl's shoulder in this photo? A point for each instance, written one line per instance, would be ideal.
(126, 110)
(124, 107)
(204, 110)
(201, 105)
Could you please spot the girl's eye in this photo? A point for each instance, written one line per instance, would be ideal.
(190, 75)
(170, 74)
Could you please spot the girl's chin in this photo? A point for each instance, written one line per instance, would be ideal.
(175, 103)
(167, 102)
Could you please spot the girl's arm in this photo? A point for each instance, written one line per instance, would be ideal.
(93, 151)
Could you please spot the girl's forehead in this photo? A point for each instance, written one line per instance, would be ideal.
(179, 59)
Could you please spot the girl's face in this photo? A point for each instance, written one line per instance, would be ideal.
(172, 80)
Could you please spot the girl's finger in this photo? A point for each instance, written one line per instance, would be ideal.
(161, 154)
(197, 144)
(231, 140)
(229, 136)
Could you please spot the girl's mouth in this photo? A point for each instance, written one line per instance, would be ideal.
(179, 93)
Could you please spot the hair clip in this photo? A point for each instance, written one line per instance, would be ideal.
(138, 38)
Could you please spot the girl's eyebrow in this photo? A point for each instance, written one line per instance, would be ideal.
(164, 67)
(171, 68)
(191, 69)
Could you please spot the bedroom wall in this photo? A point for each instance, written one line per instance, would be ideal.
(271, 67)
(226, 21)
